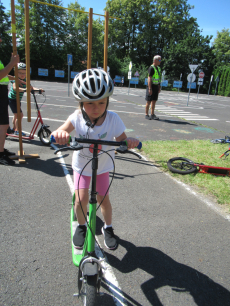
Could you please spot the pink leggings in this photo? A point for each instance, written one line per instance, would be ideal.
(101, 186)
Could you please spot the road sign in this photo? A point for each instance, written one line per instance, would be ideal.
(134, 80)
(201, 75)
(193, 85)
(129, 75)
(69, 59)
(177, 84)
(200, 82)
(193, 67)
(136, 74)
(130, 66)
(191, 77)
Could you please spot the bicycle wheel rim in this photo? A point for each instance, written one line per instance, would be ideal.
(181, 165)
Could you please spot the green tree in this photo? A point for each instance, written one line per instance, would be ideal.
(221, 47)
(5, 29)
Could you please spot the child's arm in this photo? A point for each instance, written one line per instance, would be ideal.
(20, 88)
(33, 88)
(61, 135)
(12, 78)
(132, 142)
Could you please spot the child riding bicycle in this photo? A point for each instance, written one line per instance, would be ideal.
(92, 120)
(12, 96)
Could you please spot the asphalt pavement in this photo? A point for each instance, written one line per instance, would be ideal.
(174, 245)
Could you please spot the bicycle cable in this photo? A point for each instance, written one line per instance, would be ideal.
(85, 216)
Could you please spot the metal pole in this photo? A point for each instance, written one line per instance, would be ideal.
(198, 91)
(129, 86)
(179, 83)
(190, 86)
(68, 78)
(209, 87)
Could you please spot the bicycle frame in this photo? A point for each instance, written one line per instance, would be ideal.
(213, 170)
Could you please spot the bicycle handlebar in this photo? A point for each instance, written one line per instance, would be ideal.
(74, 144)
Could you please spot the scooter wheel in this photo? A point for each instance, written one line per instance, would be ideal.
(44, 135)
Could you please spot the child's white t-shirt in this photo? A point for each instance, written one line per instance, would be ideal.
(112, 127)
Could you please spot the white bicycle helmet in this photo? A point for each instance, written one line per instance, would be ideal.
(92, 85)
(21, 66)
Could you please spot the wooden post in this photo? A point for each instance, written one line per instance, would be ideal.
(16, 75)
(27, 49)
(106, 40)
(21, 157)
(90, 27)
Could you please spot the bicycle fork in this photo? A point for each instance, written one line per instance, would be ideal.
(90, 265)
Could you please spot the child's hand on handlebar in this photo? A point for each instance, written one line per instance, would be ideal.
(61, 137)
(132, 142)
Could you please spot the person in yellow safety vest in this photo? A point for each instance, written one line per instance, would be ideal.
(153, 87)
(4, 115)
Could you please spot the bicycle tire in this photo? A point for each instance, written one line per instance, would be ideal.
(89, 291)
(221, 140)
(181, 165)
(44, 135)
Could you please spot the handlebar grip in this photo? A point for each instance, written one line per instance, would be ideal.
(139, 146)
(52, 139)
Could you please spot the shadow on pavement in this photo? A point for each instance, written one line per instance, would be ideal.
(168, 272)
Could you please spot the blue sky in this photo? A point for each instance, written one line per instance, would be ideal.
(212, 15)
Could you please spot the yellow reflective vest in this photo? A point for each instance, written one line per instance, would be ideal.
(156, 78)
(5, 80)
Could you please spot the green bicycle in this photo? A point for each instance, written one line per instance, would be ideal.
(90, 266)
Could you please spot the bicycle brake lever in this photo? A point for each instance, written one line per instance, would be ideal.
(122, 149)
(74, 146)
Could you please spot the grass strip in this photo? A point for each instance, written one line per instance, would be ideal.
(199, 151)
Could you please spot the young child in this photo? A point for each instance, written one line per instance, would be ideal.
(92, 89)
(12, 96)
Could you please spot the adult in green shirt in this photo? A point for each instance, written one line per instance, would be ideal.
(153, 88)
(4, 115)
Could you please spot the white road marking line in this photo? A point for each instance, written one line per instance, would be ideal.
(108, 274)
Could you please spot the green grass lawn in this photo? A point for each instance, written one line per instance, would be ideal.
(199, 151)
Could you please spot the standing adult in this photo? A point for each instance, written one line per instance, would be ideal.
(153, 88)
(4, 115)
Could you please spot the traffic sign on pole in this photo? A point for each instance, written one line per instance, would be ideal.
(201, 75)
(136, 74)
(193, 67)
(69, 59)
(130, 66)
(191, 77)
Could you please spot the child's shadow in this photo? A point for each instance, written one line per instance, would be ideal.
(168, 272)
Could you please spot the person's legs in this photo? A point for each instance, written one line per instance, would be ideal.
(3, 129)
(106, 208)
(153, 104)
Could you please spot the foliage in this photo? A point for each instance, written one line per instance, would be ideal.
(221, 47)
(5, 28)
(146, 28)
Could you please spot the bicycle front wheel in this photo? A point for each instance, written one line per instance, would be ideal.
(44, 135)
(181, 165)
(89, 291)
